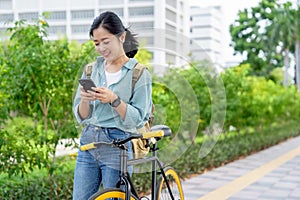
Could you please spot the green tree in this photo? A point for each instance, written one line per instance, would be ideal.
(249, 37)
(268, 35)
(264, 34)
(4, 113)
(38, 82)
(283, 34)
(297, 45)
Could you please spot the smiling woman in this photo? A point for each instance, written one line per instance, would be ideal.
(112, 24)
(111, 110)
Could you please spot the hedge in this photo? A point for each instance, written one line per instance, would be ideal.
(230, 146)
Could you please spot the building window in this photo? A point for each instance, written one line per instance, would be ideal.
(141, 25)
(6, 18)
(170, 15)
(57, 16)
(118, 11)
(171, 44)
(5, 4)
(170, 58)
(172, 3)
(80, 29)
(170, 30)
(141, 11)
(82, 14)
(30, 16)
(54, 30)
(111, 2)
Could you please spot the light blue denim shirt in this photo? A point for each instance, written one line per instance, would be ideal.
(139, 104)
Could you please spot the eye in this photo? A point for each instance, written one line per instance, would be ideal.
(97, 44)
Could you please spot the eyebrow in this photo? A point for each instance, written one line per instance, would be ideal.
(95, 40)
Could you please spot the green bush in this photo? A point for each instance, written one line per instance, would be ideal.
(233, 145)
(263, 113)
(24, 147)
(229, 146)
(39, 185)
(254, 101)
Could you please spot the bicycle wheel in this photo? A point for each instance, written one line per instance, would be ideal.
(111, 194)
(174, 183)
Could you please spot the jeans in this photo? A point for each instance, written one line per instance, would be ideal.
(98, 166)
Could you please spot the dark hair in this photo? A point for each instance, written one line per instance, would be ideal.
(113, 24)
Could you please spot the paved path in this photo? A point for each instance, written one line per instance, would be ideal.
(272, 174)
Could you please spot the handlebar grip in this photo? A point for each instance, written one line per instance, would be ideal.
(147, 135)
(88, 147)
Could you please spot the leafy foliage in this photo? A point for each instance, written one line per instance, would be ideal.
(229, 147)
(23, 147)
(256, 101)
(41, 75)
(263, 34)
(39, 185)
(39, 78)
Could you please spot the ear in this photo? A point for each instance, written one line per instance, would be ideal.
(122, 37)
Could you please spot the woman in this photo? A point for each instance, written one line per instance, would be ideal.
(113, 111)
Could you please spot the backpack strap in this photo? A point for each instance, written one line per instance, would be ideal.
(88, 69)
(136, 74)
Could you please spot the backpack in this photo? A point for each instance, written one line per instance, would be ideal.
(140, 146)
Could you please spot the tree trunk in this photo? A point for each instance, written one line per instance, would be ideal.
(286, 67)
(298, 64)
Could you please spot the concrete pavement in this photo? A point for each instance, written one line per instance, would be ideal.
(272, 174)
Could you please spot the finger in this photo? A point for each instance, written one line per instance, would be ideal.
(95, 89)
(81, 89)
(102, 89)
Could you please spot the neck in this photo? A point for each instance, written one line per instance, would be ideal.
(116, 64)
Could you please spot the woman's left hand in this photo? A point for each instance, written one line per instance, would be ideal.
(105, 95)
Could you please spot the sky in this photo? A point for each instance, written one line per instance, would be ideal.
(230, 11)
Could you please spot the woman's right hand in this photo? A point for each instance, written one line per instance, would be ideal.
(87, 96)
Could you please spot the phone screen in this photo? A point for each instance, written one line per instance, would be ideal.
(87, 84)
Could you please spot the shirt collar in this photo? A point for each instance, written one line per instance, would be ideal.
(129, 65)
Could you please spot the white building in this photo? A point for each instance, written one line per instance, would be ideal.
(207, 33)
(159, 22)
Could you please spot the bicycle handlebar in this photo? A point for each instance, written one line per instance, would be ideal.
(156, 132)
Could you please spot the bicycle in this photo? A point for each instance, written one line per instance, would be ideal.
(167, 186)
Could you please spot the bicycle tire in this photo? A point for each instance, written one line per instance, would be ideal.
(111, 193)
(175, 185)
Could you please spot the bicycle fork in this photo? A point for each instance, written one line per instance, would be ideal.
(154, 176)
(124, 174)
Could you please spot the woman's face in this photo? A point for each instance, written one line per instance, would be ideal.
(108, 45)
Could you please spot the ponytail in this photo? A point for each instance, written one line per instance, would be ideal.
(131, 44)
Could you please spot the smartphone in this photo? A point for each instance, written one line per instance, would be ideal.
(87, 84)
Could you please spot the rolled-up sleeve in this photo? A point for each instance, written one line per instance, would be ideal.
(139, 108)
(76, 108)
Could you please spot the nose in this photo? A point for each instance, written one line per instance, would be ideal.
(100, 48)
